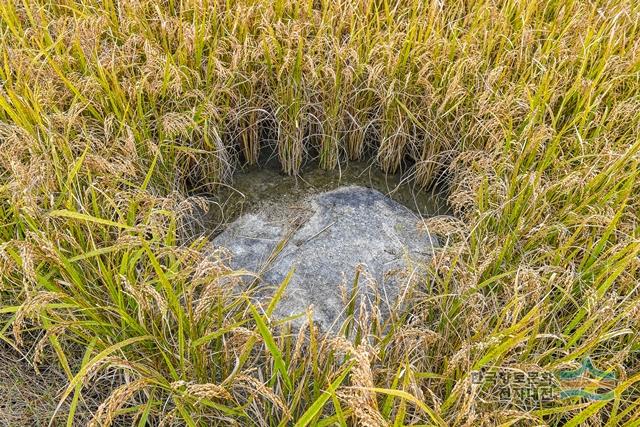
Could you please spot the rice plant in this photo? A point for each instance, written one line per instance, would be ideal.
(113, 113)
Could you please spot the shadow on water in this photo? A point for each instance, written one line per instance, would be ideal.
(256, 187)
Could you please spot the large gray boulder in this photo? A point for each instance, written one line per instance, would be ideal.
(325, 238)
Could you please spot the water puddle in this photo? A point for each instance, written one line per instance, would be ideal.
(256, 187)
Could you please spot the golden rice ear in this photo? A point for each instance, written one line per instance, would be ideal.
(260, 389)
(108, 409)
(205, 391)
(360, 397)
(30, 309)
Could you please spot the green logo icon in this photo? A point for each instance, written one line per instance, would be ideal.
(587, 381)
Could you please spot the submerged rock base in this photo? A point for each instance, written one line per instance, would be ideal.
(325, 239)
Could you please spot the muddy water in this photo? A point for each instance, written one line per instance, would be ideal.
(255, 187)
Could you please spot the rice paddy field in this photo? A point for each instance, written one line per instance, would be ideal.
(118, 117)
